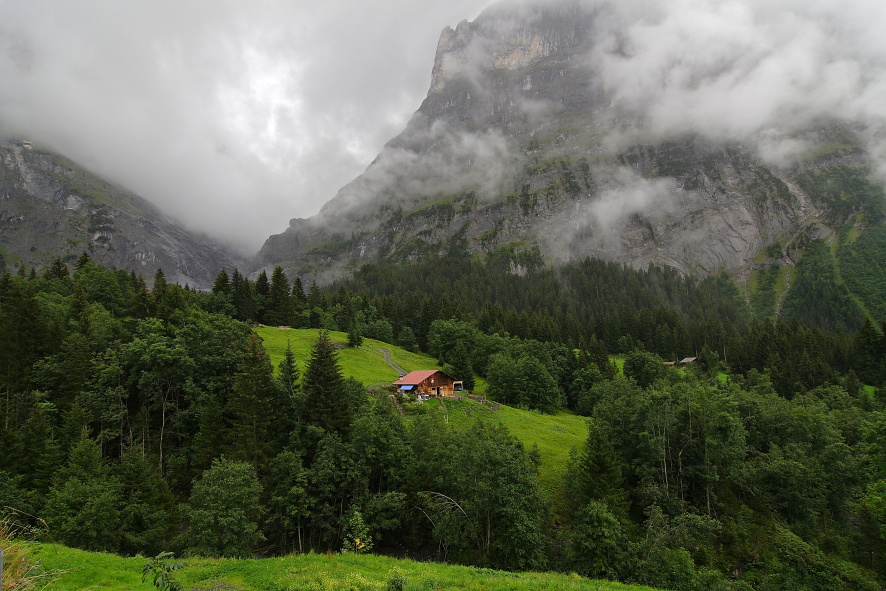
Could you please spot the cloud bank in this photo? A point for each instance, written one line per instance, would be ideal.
(756, 71)
(234, 117)
(230, 116)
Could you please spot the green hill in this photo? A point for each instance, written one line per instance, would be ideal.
(365, 363)
(77, 569)
(554, 434)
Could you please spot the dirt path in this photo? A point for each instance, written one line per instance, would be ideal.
(387, 355)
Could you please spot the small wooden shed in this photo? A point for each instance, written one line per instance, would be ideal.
(428, 382)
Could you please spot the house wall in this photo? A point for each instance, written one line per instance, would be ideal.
(436, 385)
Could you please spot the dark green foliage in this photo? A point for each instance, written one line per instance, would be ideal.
(488, 515)
(644, 368)
(326, 402)
(523, 381)
(224, 510)
(355, 336)
(816, 297)
(863, 267)
(594, 472)
(459, 365)
(83, 506)
(290, 502)
(842, 191)
(147, 511)
(159, 569)
(278, 305)
(771, 477)
(599, 545)
(257, 409)
(288, 374)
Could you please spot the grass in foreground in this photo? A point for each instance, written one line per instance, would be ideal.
(87, 570)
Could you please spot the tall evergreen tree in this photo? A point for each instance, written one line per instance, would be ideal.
(224, 510)
(326, 401)
(298, 292)
(279, 305)
(222, 283)
(254, 407)
(289, 374)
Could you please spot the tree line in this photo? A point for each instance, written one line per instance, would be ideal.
(137, 420)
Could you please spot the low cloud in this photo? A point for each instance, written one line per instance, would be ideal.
(597, 225)
(430, 159)
(232, 117)
(749, 70)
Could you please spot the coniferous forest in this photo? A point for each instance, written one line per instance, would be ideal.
(137, 420)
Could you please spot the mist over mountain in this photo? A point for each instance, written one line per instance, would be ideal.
(52, 208)
(694, 135)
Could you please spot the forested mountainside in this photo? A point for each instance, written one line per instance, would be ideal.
(50, 207)
(139, 420)
(527, 146)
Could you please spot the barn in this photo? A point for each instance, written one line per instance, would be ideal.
(428, 382)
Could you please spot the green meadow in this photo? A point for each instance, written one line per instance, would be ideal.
(554, 435)
(77, 569)
(365, 363)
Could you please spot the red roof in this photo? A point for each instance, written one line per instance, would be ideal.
(415, 378)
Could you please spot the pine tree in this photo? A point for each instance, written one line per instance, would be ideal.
(289, 374)
(254, 406)
(222, 283)
(298, 292)
(58, 270)
(82, 261)
(279, 306)
(262, 289)
(326, 403)
(243, 297)
(355, 336)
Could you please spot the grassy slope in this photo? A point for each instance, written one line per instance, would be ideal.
(86, 570)
(365, 363)
(555, 434)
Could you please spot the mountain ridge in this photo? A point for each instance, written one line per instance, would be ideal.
(522, 146)
(52, 208)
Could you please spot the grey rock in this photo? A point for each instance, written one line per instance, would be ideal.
(50, 207)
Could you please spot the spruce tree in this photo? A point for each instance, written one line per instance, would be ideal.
(289, 374)
(279, 306)
(262, 289)
(82, 261)
(222, 283)
(253, 407)
(326, 402)
(355, 336)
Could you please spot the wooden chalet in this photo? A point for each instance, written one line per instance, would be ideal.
(429, 382)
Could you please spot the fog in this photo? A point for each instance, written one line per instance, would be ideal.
(756, 71)
(235, 117)
(231, 117)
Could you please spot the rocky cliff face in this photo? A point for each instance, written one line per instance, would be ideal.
(49, 207)
(522, 150)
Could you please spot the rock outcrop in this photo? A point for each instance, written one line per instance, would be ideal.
(50, 207)
(520, 150)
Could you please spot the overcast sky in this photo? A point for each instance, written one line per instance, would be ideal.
(236, 116)
(231, 116)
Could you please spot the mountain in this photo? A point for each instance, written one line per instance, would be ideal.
(534, 144)
(50, 207)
